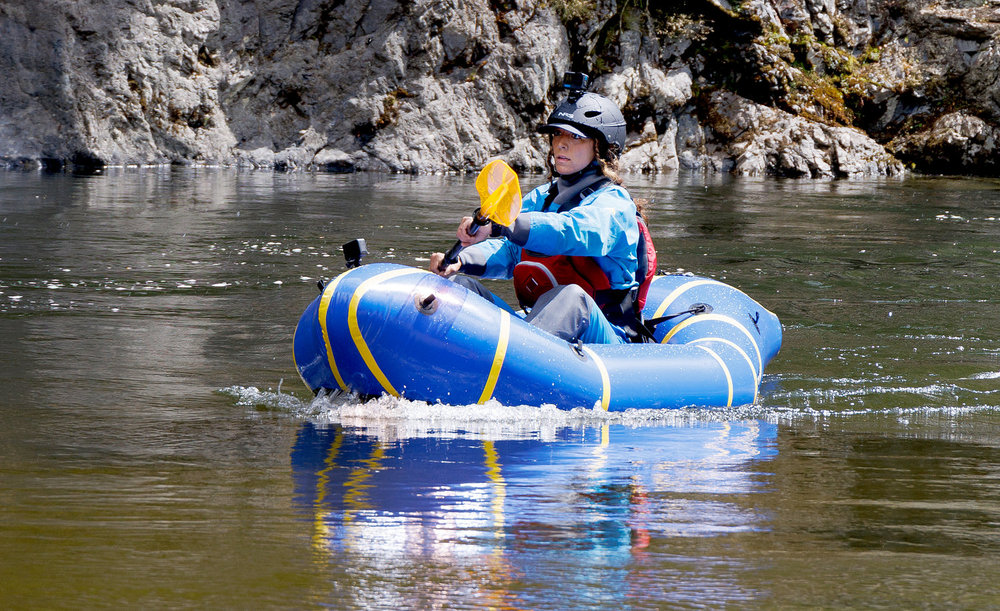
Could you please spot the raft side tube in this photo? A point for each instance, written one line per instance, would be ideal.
(376, 329)
(309, 353)
(466, 350)
(675, 294)
(669, 376)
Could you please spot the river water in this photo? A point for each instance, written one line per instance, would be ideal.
(157, 448)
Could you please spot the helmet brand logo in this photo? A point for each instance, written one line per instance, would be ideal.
(590, 114)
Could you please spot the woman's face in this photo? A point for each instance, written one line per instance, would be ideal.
(571, 153)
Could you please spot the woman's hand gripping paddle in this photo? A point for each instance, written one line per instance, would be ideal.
(499, 202)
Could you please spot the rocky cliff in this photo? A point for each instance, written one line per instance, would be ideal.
(788, 87)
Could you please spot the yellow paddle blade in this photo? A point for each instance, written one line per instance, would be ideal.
(499, 193)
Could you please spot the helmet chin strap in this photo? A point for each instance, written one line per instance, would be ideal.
(570, 179)
(565, 193)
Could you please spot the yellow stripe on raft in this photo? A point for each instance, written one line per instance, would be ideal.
(743, 353)
(352, 323)
(605, 380)
(718, 318)
(324, 305)
(756, 376)
(677, 293)
(729, 377)
(498, 357)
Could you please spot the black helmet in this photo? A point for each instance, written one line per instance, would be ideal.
(592, 116)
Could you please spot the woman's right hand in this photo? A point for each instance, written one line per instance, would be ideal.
(447, 271)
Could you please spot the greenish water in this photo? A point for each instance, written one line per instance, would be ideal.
(158, 450)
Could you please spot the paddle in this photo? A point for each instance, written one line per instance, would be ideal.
(499, 201)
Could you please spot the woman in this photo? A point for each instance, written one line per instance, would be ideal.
(574, 251)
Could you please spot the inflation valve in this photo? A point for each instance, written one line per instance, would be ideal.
(427, 304)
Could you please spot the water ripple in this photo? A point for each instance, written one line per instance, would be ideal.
(399, 418)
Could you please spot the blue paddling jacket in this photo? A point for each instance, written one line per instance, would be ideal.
(603, 225)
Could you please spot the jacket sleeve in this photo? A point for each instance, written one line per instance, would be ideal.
(493, 258)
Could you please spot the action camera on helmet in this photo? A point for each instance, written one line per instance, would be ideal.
(575, 82)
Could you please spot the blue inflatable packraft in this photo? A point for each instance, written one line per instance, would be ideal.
(403, 331)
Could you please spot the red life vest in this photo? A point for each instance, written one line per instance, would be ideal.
(646, 270)
(535, 274)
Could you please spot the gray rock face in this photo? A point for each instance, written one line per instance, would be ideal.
(111, 82)
(408, 86)
(957, 143)
(755, 140)
(815, 88)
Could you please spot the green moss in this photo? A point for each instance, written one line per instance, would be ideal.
(871, 55)
(829, 83)
(569, 10)
(390, 107)
(682, 26)
(601, 66)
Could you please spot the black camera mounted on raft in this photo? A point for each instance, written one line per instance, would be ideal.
(354, 251)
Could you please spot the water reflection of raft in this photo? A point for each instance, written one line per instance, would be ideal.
(374, 330)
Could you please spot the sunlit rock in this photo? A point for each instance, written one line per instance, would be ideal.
(429, 86)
